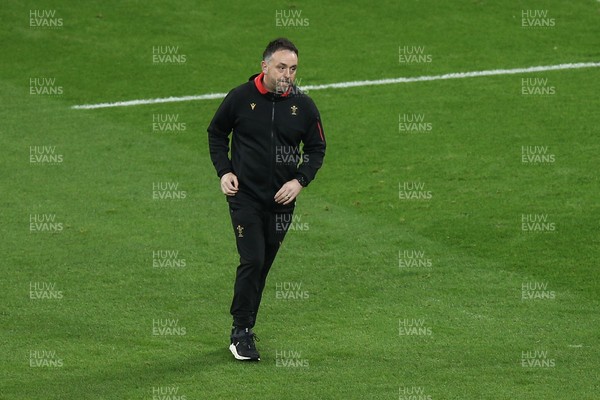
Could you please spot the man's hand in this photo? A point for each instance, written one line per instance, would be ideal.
(229, 184)
(288, 192)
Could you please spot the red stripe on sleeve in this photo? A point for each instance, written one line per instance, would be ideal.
(320, 131)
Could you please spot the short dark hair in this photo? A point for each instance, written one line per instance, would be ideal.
(279, 44)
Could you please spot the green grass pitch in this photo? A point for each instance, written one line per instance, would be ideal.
(455, 258)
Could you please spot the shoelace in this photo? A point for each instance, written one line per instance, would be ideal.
(249, 339)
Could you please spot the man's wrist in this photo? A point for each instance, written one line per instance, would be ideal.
(224, 172)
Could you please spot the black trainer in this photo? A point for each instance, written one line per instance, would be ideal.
(242, 345)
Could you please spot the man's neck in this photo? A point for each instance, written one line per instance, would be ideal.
(266, 86)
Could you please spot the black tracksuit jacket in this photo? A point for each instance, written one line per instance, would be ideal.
(265, 147)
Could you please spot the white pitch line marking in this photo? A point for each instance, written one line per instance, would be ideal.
(339, 85)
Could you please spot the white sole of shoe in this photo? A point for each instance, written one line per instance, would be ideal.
(237, 356)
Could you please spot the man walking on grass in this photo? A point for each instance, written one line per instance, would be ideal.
(268, 118)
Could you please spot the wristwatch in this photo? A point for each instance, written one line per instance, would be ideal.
(302, 179)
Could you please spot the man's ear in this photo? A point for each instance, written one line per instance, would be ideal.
(264, 66)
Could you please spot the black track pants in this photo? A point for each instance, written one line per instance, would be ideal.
(258, 235)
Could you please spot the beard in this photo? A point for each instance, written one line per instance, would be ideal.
(282, 85)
